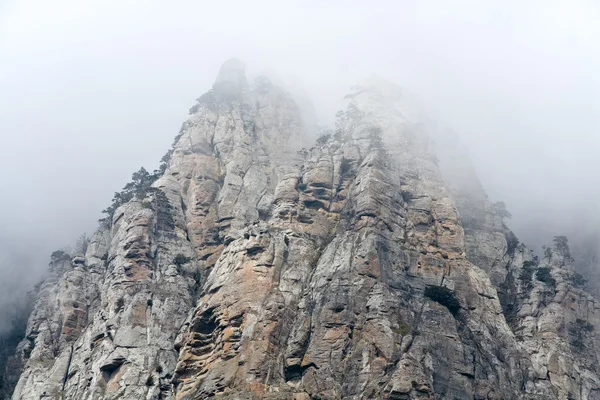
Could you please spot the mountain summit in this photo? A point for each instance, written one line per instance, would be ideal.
(368, 266)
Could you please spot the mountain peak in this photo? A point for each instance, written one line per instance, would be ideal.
(232, 71)
(252, 270)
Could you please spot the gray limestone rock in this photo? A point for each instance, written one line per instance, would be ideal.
(366, 267)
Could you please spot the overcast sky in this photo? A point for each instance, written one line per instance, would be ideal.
(92, 90)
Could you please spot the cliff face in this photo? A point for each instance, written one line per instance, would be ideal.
(361, 268)
(544, 301)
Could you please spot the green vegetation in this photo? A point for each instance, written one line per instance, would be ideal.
(222, 92)
(16, 333)
(406, 196)
(577, 279)
(403, 329)
(375, 136)
(198, 278)
(511, 241)
(60, 255)
(82, 244)
(179, 135)
(119, 305)
(584, 325)
(527, 273)
(562, 244)
(164, 211)
(10, 339)
(180, 260)
(443, 296)
(323, 139)
(194, 109)
(207, 99)
(543, 275)
(512, 320)
(139, 187)
(501, 210)
(578, 330)
(345, 166)
(303, 153)
(578, 344)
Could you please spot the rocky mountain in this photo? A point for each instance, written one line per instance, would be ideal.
(369, 266)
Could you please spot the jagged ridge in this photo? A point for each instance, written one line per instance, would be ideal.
(360, 268)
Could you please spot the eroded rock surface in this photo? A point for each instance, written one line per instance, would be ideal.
(361, 268)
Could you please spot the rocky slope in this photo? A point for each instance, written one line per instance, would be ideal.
(363, 267)
(545, 302)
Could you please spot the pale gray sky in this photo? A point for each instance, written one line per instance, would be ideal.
(92, 90)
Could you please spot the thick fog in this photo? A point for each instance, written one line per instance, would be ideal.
(92, 90)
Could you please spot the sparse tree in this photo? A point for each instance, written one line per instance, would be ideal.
(82, 244)
(501, 210)
(562, 245)
(138, 188)
(323, 138)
